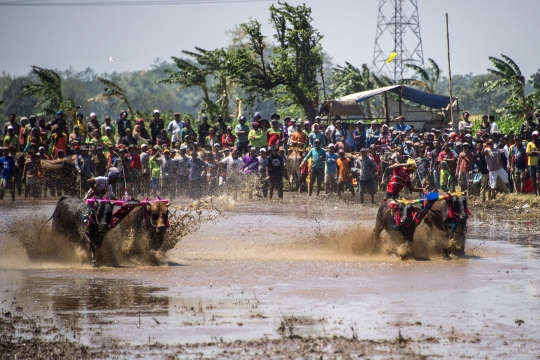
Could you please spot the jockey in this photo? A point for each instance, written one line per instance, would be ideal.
(100, 186)
(401, 178)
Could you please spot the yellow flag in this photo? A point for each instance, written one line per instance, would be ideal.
(391, 57)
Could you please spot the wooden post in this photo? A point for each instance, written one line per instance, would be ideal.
(454, 123)
(386, 108)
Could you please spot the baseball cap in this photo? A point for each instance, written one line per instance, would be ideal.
(109, 128)
(317, 140)
(535, 133)
(92, 114)
(263, 150)
(10, 127)
(330, 146)
(243, 118)
(255, 123)
(257, 114)
(156, 111)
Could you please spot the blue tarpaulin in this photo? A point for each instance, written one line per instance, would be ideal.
(417, 96)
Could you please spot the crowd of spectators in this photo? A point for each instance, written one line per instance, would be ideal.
(254, 157)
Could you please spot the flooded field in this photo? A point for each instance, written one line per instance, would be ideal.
(273, 279)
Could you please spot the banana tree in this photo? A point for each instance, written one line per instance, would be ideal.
(49, 89)
(429, 78)
(510, 78)
(113, 90)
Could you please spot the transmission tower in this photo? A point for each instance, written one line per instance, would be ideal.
(398, 30)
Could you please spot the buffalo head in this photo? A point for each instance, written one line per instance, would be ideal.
(459, 206)
(158, 214)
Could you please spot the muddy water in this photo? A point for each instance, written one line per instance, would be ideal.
(269, 271)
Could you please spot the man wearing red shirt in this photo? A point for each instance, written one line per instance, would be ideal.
(401, 178)
(274, 134)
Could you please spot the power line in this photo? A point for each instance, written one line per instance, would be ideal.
(48, 3)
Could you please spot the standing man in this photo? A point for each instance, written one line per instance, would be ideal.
(274, 171)
(123, 123)
(187, 130)
(518, 164)
(220, 129)
(92, 126)
(359, 136)
(204, 130)
(13, 123)
(257, 138)
(197, 168)
(175, 127)
(344, 165)
(263, 164)
(242, 133)
(367, 169)
(182, 171)
(532, 154)
(7, 183)
(465, 125)
(106, 124)
(156, 125)
(464, 167)
(318, 158)
(11, 139)
(330, 171)
(274, 134)
(85, 167)
(493, 127)
(494, 165)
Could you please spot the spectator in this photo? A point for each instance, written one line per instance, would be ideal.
(156, 125)
(175, 127)
(367, 176)
(344, 173)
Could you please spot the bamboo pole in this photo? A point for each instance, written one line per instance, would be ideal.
(454, 124)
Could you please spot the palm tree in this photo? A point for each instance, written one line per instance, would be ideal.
(196, 73)
(429, 77)
(510, 77)
(49, 89)
(113, 90)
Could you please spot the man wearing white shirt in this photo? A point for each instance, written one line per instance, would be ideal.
(175, 127)
(494, 128)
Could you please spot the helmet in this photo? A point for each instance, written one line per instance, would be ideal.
(411, 164)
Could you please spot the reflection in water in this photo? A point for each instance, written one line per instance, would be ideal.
(124, 297)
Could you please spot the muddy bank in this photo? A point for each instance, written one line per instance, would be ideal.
(279, 279)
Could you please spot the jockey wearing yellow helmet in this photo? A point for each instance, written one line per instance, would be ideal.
(401, 178)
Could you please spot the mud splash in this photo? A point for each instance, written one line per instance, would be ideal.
(38, 245)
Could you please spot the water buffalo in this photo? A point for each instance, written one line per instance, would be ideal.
(73, 219)
(293, 169)
(398, 220)
(151, 221)
(450, 216)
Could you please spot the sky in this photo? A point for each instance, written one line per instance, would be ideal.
(81, 37)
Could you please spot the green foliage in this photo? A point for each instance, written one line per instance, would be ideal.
(112, 90)
(49, 88)
(206, 73)
(509, 77)
(429, 77)
(289, 73)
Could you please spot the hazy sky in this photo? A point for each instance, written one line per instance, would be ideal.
(80, 37)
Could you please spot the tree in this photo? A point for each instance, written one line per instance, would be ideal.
(206, 73)
(509, 76)
(349, 80)
(49, 89)
(112, 90)
(289, 74)
(429, 77)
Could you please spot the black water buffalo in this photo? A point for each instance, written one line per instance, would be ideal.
(148, 222)
(397, 219)
(450, 216)
(72, 219)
